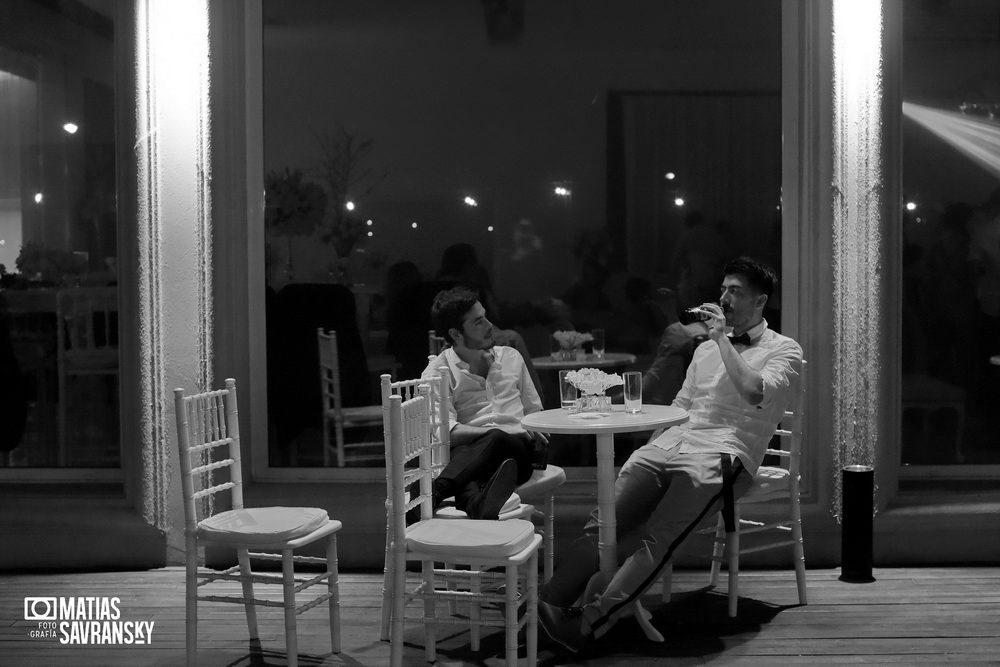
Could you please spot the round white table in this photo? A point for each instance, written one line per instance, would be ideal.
(609, 360)
(604, 426)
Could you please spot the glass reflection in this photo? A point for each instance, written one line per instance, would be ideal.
(58, 239)
(514, 161)
(951, 233)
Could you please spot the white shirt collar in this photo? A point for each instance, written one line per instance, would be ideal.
(492, 355)
(755, 332)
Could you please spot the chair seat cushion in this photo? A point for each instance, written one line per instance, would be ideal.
(447, 510)
(262, 525)
(769, 483)
(469, 538)
(542, 482)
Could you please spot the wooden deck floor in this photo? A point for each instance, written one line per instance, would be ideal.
(907, 616)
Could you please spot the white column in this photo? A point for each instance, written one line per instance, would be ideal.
(840, 254)
(173, 287)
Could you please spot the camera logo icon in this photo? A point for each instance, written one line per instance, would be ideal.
(40, 609)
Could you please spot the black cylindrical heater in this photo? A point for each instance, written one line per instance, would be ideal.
(858, 490)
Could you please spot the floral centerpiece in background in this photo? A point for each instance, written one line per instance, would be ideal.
(324, 204)
(292, 207)
(49, 266)
(570, 344)
(592, 384)
(347, 179)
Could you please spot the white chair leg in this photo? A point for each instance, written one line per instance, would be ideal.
(430, 612)
(338, 430)
(475, 608)
(326, 440)
(246, 581)
(398, 609)
(288, 589)
(717, 551)
(191, 603)
(800, 561)
(333, 587)
(667, 582)
(550, 537)
(387, 583)
(531, 611)
(510, 617)
(733, 563)
(451, 585)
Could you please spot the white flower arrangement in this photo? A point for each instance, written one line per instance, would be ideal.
(592, 381)
(569, 340)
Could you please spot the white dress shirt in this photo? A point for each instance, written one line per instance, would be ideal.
(499, 400)
(721, 420)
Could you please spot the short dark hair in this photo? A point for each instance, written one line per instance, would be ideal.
(450, 307)
(759, 275)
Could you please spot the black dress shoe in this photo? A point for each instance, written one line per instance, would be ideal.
(494, 493)
(563, 625)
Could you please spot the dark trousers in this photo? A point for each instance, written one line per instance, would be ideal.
(473, 463)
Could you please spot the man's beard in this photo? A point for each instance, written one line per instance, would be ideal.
(487, 343)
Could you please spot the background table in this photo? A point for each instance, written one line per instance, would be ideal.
(605, 427)
(609, 360)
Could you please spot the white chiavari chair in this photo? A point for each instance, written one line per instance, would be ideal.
(208, 439)
(773, 487)
(477, 545)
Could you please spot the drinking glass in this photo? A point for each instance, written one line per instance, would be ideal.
(633, 391)
(557, 351)
(598, 344)
(567, 392)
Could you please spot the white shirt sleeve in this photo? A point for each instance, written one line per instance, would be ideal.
(778, 373)
(530, 399)
(431, 371)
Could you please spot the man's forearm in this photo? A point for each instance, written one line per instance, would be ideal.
(747, 380)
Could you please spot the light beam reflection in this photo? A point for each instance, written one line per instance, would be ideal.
(976, 138)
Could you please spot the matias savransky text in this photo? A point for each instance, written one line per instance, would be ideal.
(85, 620)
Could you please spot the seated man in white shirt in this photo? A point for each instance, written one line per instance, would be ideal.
(735, 391)
(491, 391)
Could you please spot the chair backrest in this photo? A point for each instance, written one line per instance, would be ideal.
(206, 422)
(299, 309)
(789, 432)
(435, 344)
(408, 438)
(439, 393)
(329, 370)
(87, 322)
(31, 327)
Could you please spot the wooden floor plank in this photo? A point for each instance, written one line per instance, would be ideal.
(907, 616)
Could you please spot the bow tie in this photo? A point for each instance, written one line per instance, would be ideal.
(742, 339)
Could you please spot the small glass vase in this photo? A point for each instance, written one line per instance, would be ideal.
(562, 355)
(593, 403)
